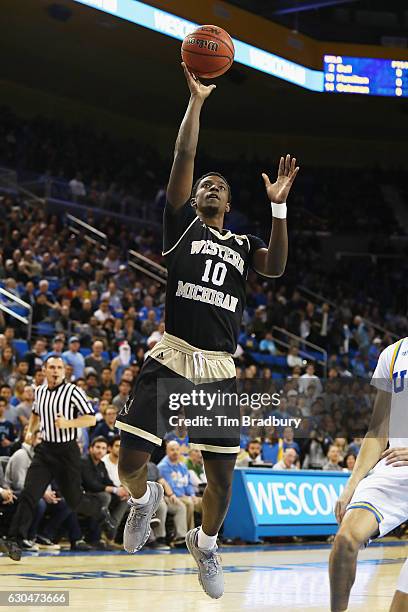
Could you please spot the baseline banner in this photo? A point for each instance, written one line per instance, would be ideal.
(268, 502)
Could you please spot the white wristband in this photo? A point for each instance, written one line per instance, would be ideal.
(279, 210)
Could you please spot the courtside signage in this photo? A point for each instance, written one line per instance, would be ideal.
(268, 502)
(177, 27)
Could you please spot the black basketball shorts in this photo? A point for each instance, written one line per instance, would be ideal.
(182, 386)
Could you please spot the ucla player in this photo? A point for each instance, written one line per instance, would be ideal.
(375, 503)
(205, 298)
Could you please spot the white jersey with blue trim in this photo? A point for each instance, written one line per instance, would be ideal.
(391, 375)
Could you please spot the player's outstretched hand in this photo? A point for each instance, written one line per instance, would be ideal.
(279, 191)
(397, 457)
(197, 89)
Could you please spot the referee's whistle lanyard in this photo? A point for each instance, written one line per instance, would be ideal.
(198, 361)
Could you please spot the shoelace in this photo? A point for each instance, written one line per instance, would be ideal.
(211, 564)
(135, 516)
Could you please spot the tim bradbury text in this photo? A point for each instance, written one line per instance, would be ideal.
(224, 421)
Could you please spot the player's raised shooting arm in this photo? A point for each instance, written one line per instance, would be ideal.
(272, 261)
(181, 175)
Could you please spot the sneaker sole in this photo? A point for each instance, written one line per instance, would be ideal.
(133, 550)
(189, 537)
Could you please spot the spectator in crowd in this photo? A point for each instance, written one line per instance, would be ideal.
(349, 462)
(355, 445)
(180, 435)
(74, 358)
(7, 431)
(16, 472)
(308, 377)
(106, 428)
(20, 373)
(57, 347)
(251, 456)
(77, 188)
(333, 460)
(7, 363)
(24, 409)
(314, 451)
(288, 461)
(267, 345)
(103, 313)
(124, 390)
(289, 440)
(91, 385)
(293, 359)
(95, 480)
(272, 447)
(195, 466)
(95, 360)
(37, 356)
(175, 473)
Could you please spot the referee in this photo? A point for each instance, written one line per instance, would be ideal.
(59, 409)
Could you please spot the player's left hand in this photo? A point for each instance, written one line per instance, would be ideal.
(397, 457)
(279, 191)
(61, 422)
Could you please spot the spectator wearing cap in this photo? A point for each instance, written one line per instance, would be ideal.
(95, 360)
(74, 358)
(57, 347)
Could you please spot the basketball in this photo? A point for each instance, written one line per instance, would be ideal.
(208, 52)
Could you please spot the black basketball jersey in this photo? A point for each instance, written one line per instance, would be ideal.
(206, 286)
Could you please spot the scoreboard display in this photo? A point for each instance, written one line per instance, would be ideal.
(363, 75)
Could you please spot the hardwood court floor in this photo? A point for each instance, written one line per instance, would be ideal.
(281, 578)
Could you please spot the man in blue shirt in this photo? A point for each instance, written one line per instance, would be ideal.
(174, 471)
(7, 432)
(74, 358)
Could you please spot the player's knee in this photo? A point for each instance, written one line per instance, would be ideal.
(346, 543)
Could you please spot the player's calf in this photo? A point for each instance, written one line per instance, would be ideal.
(357, 527)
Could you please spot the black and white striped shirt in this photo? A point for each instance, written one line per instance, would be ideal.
(66, 399)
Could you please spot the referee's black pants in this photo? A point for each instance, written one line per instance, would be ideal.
(60, 461)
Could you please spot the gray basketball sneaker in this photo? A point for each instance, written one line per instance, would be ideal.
(137, 528)
(210, 574)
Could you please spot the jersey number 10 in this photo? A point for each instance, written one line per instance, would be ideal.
(218, 274)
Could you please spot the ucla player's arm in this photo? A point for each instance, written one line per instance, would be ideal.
(181, 175)
(272, 261)
(377, 436)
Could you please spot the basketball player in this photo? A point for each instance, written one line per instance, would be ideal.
(374, 504)
(205, 298)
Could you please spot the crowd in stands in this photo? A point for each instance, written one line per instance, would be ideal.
(102, 317)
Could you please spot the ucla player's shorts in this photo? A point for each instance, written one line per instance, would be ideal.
(384, 493)
(181, 385)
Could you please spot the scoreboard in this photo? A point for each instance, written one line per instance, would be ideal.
(363, 75)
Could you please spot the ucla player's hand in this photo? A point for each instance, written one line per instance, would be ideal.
(197, 89)
(279, 191)
(341, 504)
(397, 457)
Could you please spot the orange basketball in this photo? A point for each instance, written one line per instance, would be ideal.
(208, 52)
